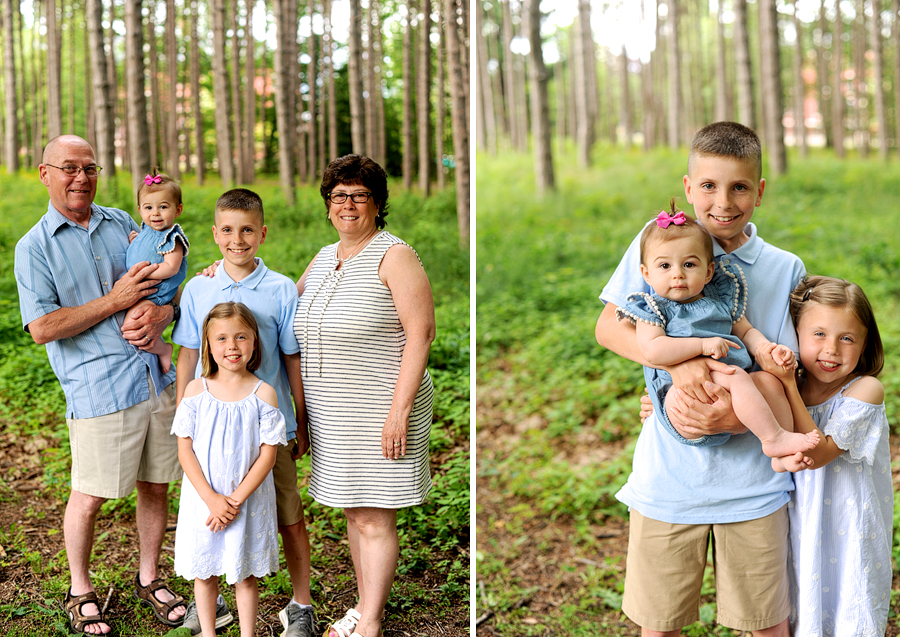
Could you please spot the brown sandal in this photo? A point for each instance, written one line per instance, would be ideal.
(78, 620)
(145, 595)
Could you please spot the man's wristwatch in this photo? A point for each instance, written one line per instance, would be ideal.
(176, 311)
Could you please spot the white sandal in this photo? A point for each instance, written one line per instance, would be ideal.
(345, 626)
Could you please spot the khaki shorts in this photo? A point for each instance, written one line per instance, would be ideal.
(665, 564)
(288, 504)
(110, 453)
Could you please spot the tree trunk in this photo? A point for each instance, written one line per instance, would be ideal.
(195, 94)
(540, 107)
(408, 82)
(458, 115)
(626, 117)
(509, 83)
(249, 148)
(103, 104)
(54, 89)
(860, 88)
(354, 69)
(770, 72)
(118, 108)
(799, 89)
(584, 67)
(332, 96)
(11, 130)
(423, 99)
(823, 82)
(155, 121)
(136, 101)
(381, 151)
(71, 57)
(237, 121)
(371, 115)
(312, 145)
(283, 88)
(172, 152)
(37, 114)
(675, 112)
(895, 36)
(27, 79)
(837, 92)
(878, 72)
(744, 70)
(220, 85)
(559, 76)
(721, 81)
(440, 106)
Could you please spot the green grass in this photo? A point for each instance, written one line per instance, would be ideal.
(540, 267)
(32, 405)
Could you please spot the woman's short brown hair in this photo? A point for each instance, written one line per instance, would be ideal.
(358, 170)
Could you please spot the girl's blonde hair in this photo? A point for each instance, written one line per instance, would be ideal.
(654, 232)
(841, 294)
(156, 180)
(226, 311)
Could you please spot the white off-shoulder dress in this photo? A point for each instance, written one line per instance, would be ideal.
(841, 518)
(226, 439)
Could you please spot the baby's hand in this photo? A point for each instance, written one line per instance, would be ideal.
(132, 235)
(716, 347)
(784, 356)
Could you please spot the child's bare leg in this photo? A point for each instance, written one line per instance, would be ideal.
(246, 593)
(205, 593)
(163, 351)
(751, 407)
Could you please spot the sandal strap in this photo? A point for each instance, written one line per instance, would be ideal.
(147, 593)
(345, 626)
(78, 619)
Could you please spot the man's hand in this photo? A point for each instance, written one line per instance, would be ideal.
(692, 376)
(133, 287)
(145, 322)
(693, 418)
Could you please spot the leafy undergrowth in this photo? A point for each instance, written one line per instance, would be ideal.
(557, 415)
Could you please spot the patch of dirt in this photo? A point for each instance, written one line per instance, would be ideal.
(39, 517)
(540, 556)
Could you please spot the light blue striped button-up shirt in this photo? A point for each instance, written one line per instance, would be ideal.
(60, 264)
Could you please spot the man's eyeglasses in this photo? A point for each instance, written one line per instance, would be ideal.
(356, 197)
(72, 171)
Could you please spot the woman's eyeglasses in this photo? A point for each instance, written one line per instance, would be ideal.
(72, 171)
(356, 197)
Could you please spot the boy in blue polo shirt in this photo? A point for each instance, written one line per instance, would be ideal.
(239, 230)
(681, 495)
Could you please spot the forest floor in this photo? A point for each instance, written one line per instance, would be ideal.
(548, 563)
(33, 571)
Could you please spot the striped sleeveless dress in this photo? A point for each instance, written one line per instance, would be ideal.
(351, 344)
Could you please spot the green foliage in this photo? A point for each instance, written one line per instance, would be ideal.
(32, 406)
(541, 265)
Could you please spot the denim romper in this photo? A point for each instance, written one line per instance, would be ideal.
(723, 303)
(153, 245)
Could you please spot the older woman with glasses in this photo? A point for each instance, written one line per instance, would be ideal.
(365, 323)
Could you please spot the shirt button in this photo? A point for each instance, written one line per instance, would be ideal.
(106, 283)
(98, 258)
(725, 261)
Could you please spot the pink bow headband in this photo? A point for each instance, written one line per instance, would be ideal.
(664, 219)
(151, 179)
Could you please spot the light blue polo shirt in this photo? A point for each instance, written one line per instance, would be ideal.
(733, 482)
(272, 297)
(60, 263)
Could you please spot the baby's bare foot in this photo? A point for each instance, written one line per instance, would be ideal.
(787, 443)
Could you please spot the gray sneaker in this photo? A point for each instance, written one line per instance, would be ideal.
(297, 621)
(192, 621)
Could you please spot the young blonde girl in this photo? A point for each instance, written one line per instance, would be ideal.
(227, 424)
(841, 514)
(162, 241)
(697, 309)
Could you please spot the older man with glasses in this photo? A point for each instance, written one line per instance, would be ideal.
(74, 292)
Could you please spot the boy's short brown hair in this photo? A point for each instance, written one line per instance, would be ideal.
(244, 200)
(730, 140)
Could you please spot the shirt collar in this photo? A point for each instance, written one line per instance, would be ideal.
(251, 281)
(56, 219)
(749, 252)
